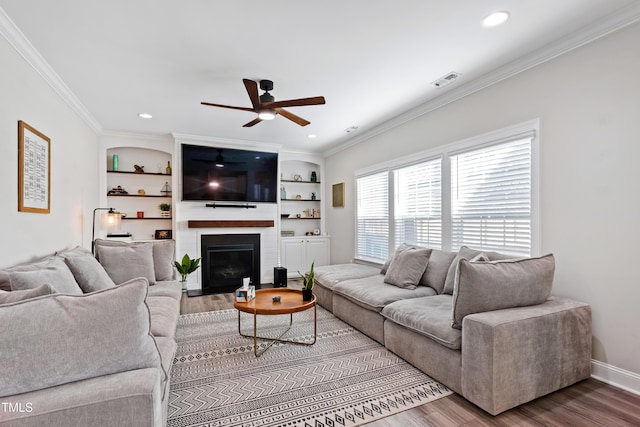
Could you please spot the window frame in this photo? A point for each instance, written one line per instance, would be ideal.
(530, 128)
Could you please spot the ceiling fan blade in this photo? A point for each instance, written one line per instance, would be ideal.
(292, 117)
(228, 106)
(252, 90)
(252, 122)
(316, 100)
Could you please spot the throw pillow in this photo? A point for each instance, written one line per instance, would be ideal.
(407, 267)
(5, 274)
(59, 339)
(463, 253)
(14, 296)
(123, 263)
(89, 274)
(163, 256)
(436, 273)
(487, 286)
(55, 273)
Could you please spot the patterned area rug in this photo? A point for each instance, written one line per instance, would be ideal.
(344, 379)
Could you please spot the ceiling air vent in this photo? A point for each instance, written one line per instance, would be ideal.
(447, 79)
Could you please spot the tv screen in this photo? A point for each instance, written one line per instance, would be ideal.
(228, 175)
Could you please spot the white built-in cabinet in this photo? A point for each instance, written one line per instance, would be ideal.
(297, 253)
(303, 237)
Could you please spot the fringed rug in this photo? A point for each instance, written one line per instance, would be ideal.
(344, 379)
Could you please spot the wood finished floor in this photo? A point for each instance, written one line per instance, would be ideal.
(588, 403)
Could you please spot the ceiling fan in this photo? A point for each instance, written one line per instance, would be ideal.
(267, 107)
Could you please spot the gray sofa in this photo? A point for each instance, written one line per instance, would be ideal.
(482, 323)
(89, 343)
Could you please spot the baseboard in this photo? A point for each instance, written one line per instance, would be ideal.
(615, 376)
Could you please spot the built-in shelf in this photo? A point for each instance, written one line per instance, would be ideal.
(302, 217)
(147, 217)
(141, 174)
(137, 195)
(300, 200)
(300, 182)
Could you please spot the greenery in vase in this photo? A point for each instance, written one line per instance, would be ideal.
(187, 266)
(165, 207)
(307, 279)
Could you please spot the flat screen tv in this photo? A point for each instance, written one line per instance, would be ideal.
(228, 175)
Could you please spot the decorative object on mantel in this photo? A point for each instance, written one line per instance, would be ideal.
(165, 210)
(314, 176)
(138, 169)
(168, 169)
(34, 170)
(166, 189)
(186, 267)
(308, 280)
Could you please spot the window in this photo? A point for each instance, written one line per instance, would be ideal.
(479, 192)
(372, 216)
(417, 208)
(491, 198)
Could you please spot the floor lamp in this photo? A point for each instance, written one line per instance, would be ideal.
(113, 220)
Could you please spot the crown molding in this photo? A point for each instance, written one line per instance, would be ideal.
(21, 44)
(615, 22)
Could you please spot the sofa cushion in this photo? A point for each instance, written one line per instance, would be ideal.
(436, 273)
(87, 271)
(14, 296)
(164, 312)
(163, 252)
(373, 294)
(428, 316)
(54, 272)
(109, 329)
(330, 275)
(5, 274)
(463, 253)
(123, 263)
(407, 266)
(170, 288)
(488, 286)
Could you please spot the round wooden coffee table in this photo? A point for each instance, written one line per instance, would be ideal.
(290, 302)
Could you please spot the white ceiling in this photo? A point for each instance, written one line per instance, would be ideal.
(372, 60)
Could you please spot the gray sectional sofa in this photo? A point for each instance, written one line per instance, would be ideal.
(89, 343)
(482, 323)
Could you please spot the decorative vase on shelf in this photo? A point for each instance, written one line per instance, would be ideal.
(314, 177)
(168, 169)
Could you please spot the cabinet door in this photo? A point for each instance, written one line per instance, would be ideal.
(292, 256)
(317, 251)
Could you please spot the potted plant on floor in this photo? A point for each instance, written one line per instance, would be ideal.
(308, 280)
(186, 267)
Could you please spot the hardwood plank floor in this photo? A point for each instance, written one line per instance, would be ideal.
(588, 403)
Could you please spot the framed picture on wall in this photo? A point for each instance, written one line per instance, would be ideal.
(338, 195)
(34, 170)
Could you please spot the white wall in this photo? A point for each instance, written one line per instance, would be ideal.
(74, 156)
(588, 102)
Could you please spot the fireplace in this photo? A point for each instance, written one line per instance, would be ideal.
(227, 259)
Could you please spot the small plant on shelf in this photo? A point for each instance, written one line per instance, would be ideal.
(164, 209)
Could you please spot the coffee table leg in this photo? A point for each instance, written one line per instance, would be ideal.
(256, 337)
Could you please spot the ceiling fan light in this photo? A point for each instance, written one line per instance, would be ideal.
(266, 115)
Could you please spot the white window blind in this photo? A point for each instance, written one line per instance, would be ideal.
(418, 204)
(372, 216)
(491, 198)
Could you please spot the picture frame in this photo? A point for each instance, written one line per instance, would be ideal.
(338, 195)
(163, 234)
(34, 170)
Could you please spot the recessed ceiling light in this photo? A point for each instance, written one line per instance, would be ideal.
(495, 19)
(312, 136)
(145, 115)
(351, 129)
